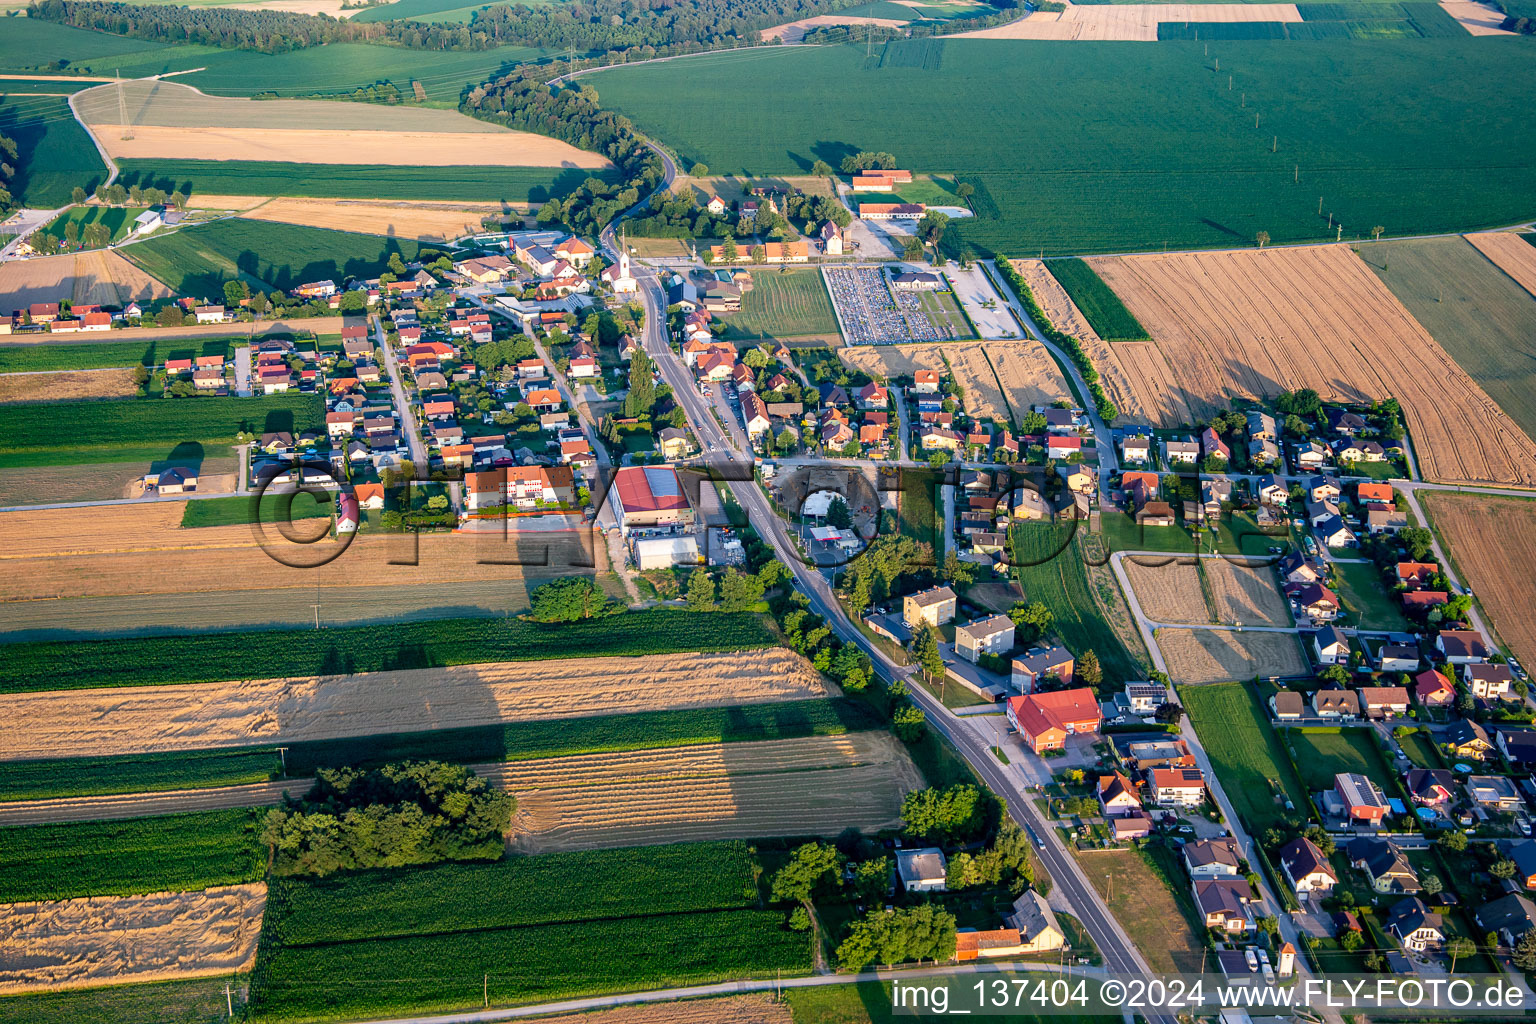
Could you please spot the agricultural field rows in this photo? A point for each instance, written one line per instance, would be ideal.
(1492, 544)
(165, 717)
(1197, 656)
(1135, 180)
(1100, 306)
(1250, 324)
(96, 276)
(67, 386)
(54, 154)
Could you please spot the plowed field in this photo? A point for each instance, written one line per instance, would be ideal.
(67, 385)
(1168, 593)
(1129, 22)
(1219, 655)
(1246, 594)
(983, 398)
(1493, 544)
(188, 717)
(99, 276)
(887, 361)
(1028, 374)
(101, 940)
(1253, 323)
(805, 786)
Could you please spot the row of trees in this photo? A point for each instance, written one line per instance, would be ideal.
(662, 26)
(418, 812)
(8, 158)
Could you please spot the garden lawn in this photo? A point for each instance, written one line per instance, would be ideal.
(783, 304)
(1397, 139)
(273, 508)
(1245, 752)
(125, 430)
(198, 260)
(1106, 314)
(1366, 599)
(1320, 755)
(1139, 890)
(357, 181)
(214, 657)
(1420, 750)
(118, 218)
(175, 853)
(525, 929)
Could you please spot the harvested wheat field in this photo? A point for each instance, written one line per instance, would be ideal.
(427, 222)
(1169, 592)
(1219, 655)
(1245, 594)
(127, 720)
(887, 361)
(983, 398)
(749, 1009)
(1478, 19)
(816, 785)
(66, 385)
(99, 276)
(1253, 323)
(105, 939)
(1493, 545)
(133, 549)
(1131, 22)
(794, 31)
(1511, 254)
(1065, 316)
(1027, 373)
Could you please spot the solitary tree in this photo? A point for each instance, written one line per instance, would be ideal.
(1376, 232)
(1088, 669)
(700, 171)
(925, 649)
(1431, 885)
(1262, 238)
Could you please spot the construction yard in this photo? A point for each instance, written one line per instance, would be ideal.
(1492, 544)
(1254, 323)
(812, 785)
(125, 720)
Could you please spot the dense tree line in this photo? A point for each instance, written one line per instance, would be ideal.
(7, 170)
(265, 31)
(661, 25)
(419, 812)
(520, 100)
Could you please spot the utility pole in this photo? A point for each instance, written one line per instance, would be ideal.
(1274, 145)
(486, 990)
(316, 607)
(229, 1001)
(1341, 232)
(122, 106)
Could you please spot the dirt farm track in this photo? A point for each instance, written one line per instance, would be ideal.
(1252, 323)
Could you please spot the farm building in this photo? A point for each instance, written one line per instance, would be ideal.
(647, 498)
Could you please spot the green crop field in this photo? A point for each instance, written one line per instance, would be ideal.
(353, 181)
(136, 773)
(95, 356)
(28, 45)
(1048, 563)
(1365, 598)
(146, 661)
(523, 929)
(1401, 140)
(274, 508)
(53, 152)
(195, 1001)
(1320, 755)
(1244, 751)
(119, 219)
(42, 86)
(1106, 314)
(198, 260)
(1474, 310)
(177, 853)
(783, 304)
(123, 430)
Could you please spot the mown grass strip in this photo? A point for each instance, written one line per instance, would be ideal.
(215, 657)
(174, 853)
(241, 511)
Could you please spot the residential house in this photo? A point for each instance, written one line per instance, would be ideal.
(1117, 796)
(1509, 916)
(1177, 787)
(1374, 496)
(1416, 575)
(1384, 701)
(1145, 698)
(1523, 853)
(1518, 746)
(754, 414)
(1045, 720)
(210, 314)
(1416, 926)
(1494, 791)
(1433, 690)
(1155, 513)
(1310, 455)
(1461, 646)
(1223, 903)
(1378, 521)
(1397, 658)
(934, 606)
(925, 382)
(1490, 682)
(1317, 602)
(1135, 450)
(1306, 868)
(1262, 426)
(873, 396)
(1319, 512)
(1342, 421)
(1271, 490)
(1336, 704)
(1421, 601)
(1295, 569)
(1334, 534)
(1384, 864)
(1058, 447)
(1362, 802)
(1181, 452)
(1213, 447)
(1330, 646)
(992, 635)
(1213, 858)
(1039, 664)
(1287, 705)
(1467, 740)
(922, 870)
(1038, 929)
(1323, 488)
(1430, 787)
(1264, 453)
